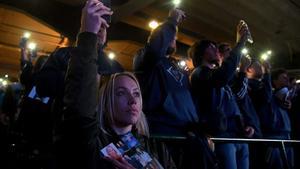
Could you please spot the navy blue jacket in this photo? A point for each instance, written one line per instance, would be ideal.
(240, 89)
(167, 101)
(274, 119)
(219, 112)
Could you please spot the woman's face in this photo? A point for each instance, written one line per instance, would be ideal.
(127, 101)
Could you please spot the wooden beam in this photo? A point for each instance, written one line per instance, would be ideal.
(129, 8)
(143, 24)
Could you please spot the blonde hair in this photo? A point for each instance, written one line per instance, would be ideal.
(106, 105)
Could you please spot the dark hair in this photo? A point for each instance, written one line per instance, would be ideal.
(222, 47)
(254, 60)
(277, 72)
(197, 50)
(292, 78)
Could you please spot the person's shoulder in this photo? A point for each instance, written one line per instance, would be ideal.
(199, 71)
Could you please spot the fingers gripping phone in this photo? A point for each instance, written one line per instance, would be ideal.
(107, 3)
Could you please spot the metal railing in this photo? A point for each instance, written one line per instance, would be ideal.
(276, 142)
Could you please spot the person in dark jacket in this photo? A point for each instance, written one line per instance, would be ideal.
(168, 103)
(34, 110)
(239, 86)
(219, 112)
(163, 83)
(279, 116)
(88, 127)
(50, 81)
(295, 112)
(295, 117)
(34, 121)
(271, 109)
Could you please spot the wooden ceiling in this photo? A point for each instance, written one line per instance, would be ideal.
(274, 25)
(13, 24)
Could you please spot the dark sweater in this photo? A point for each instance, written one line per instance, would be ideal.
(209, 88)
(240, 89)
(166, 93)
(274, 119)
(81, 137)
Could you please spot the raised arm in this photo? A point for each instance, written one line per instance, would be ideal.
(162, 37)
(221, 76)
(81, 80)
(267, 80)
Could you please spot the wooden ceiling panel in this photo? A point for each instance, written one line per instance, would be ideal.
(274, 24)
(125, 51)
(20, 20)
(13, 24)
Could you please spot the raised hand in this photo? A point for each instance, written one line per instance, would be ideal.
(177, 14)
(243, 33)
(91, 18)
(287, 104)
(266, 66)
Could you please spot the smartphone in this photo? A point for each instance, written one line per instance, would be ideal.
(107, 3)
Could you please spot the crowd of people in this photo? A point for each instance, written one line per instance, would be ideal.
(78, 109)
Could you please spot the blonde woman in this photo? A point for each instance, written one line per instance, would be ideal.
(121, 118)
(94, 120)
(120, 105)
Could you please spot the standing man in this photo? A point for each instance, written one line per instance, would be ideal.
(219, 112)
(167, 100)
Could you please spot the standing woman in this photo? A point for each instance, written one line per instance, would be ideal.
(88, 128)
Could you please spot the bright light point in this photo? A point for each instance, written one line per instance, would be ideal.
(264, 57)
(269, 52)
(153, 24)
(32, 46)
(26, 35)
(245, 51)
(4, 83)
(182, 63)
(1, 80)
(176, 2)
(111, 55)
(6, 76)
(238, 69)
(297, 81)
(248, 57)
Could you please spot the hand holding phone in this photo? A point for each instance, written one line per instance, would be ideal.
(107, 3)
(92, 13)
